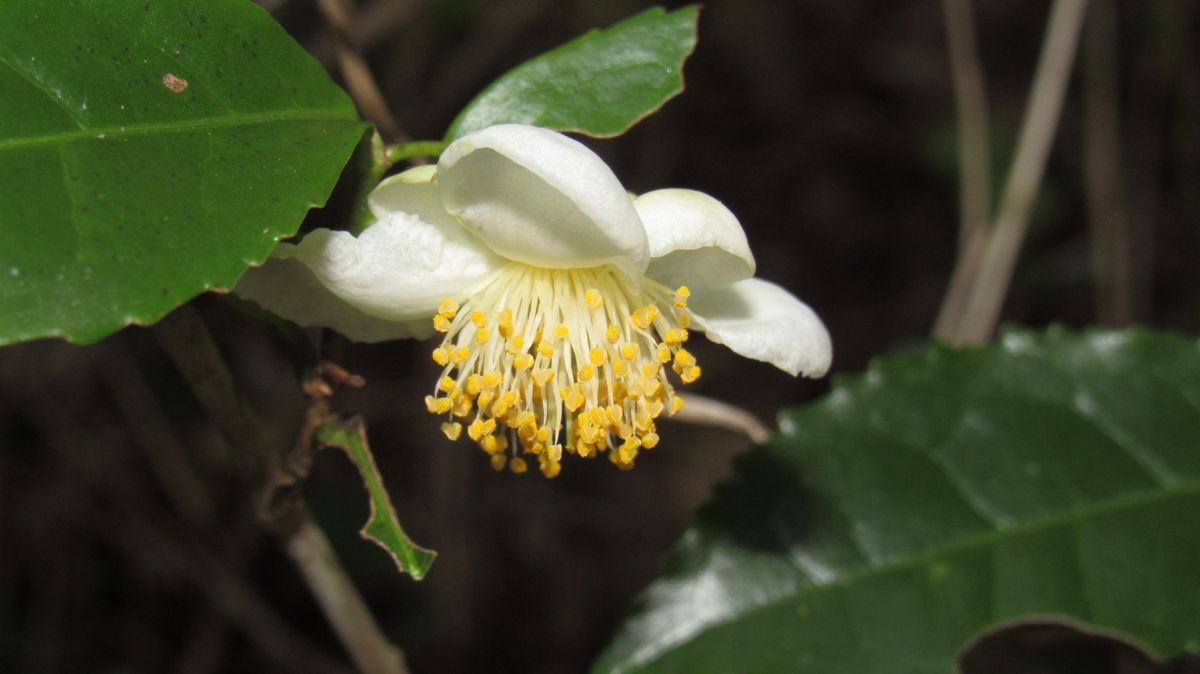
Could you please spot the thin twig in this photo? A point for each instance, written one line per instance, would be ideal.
(988, 284)
(1109, 236)
(347, 612)
(190, 345)
(970, 99)
(704, 411)
(359, 81)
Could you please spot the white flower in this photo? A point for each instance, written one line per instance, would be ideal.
(563, 303)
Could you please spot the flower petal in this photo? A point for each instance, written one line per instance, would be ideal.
(287, 288)
(694, 240)
(536, 196)
(414, 191)
(398, 268)
(761, 320)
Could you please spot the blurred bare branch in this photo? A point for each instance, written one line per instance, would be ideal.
(970, 98)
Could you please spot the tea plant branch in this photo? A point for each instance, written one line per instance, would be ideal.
(970, 99)
(191, 348)
(983, 285)
(359, 81)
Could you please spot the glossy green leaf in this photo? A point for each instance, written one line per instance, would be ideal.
(932, 497)
(150, 151)
(599, 84)
(383, 527)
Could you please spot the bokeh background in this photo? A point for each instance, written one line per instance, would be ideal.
(127, 537)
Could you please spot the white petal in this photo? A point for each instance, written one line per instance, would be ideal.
(536, 196)
(694, 240)
(414, 191)
(288, 289)
(398, 268)
(760, 320)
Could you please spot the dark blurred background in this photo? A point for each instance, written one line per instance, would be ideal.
(127, 537)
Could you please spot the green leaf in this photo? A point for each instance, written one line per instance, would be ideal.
(912, 507)
(383, 527)
(150, 151)
(599, 84)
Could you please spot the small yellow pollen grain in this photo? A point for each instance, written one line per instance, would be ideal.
(612, 334)
(441, 323)
(441, 356)
(448, 307)
(593, 298)
(452, 429)
(561, 331)
(597, 356)
(518, 465)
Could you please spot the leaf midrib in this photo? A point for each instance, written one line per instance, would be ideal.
(983, 539)
(180, 126)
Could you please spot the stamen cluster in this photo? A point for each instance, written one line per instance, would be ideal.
(546, 361)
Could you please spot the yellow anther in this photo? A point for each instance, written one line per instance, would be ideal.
(462, 407)
(620, 368)
(598, 356)
(475, 430)
(526, 434)
(585, 449)
(431, 404)
(524, 418)
(684, 320)
(597, 415)
(481, 337)
(650, 440)
(479, 319)
(544, 349)
(448, 307)
(561, 331)
(651, 369)
(586, 373)
(523, 361)
(654, 408)
(452, 429)
(613, 414)
(505, 329)
(690, 374)
(649, 386)
(673, 337)
(441, 323)
(447, 384)
(518, 465)
(628, 450)
(500, 407)
(639, 318)
(443, 405)
(652, 313)
(554, 453)
(681, 297)
(490, 444)
(498, 461)
(630, 351)
(664, 354)
(676, 405)
(551, 469)
(441, 356)
(683, 358)
(492, 379)
(593, 298)
(612, 334)
(489, 427)
(515, 345)
(474, 385)
(542, 376)
(572, 399)
(486, 396)
(461, 354)
(536, 448)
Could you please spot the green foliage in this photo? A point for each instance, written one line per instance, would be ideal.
(599, 84)
(148, 152)
(383, 527)
(935, 496)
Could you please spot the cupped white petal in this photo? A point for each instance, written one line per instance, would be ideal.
(694, 240)
(538, 197)
(398, 268)
(288, 289)
(761, 320)
(414, 191)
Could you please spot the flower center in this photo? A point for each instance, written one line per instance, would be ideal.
(542, 361)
